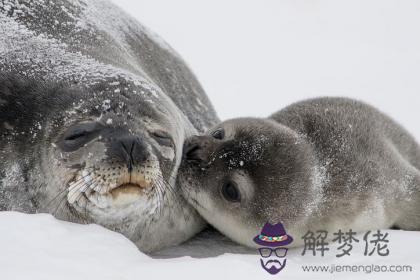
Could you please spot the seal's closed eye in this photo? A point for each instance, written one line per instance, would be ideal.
(163, 138)
(78, 135)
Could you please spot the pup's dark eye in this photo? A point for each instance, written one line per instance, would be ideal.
(78, 135)
(218, 134)
(163, 138)
(230, 192)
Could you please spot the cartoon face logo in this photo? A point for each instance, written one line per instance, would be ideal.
(270, 261)
(273, 255)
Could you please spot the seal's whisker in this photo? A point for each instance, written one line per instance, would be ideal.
(163, 189)
(166, 197)
(62, 192)
(78, 215)
(176, 196)
(82, 189)
(79, 187)
(173, 195)
(76, 185)
(64, 198)
(81, 179)
(159, 191)
(155, 195)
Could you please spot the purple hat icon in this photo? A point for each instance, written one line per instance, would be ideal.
(273, 236)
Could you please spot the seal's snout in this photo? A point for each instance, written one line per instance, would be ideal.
(191, 151)
(129, 150)
(196, 148)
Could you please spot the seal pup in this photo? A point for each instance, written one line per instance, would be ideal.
(321, 164)
(94, 110)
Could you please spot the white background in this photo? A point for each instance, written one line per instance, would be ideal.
(255, 57)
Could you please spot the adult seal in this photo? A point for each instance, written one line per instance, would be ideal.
(94, 110)
(322, 164)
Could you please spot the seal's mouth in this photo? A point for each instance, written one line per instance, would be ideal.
(93, 188)
(127, 193)
(127, 188)
(129, 184)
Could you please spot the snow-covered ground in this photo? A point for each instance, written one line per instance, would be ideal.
(41, 247)
(252, 57)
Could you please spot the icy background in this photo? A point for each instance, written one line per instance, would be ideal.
(253, 58)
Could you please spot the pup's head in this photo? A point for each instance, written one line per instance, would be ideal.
(245, 172)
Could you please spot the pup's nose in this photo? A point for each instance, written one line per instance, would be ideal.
(194, 149)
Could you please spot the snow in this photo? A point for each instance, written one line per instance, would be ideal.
(41, 247)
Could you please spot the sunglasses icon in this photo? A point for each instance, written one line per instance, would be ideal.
(267, 252)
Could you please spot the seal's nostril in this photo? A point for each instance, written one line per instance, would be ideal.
(191, 152)
(129, 150)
